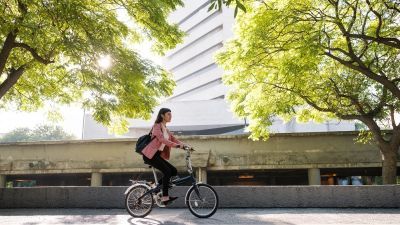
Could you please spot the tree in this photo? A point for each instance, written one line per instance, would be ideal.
(237, 4)
(40, 133)
(318, 60)
(49, 51)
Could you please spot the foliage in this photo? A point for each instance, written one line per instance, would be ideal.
(313, 60)
(318, 60)
(50, 52)
(217, 4)
(40, 133)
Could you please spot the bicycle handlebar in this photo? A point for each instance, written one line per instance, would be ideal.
(188, 148)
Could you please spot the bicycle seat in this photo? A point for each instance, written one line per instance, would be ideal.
(150, 166)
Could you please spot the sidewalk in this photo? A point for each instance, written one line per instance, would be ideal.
(293, 216)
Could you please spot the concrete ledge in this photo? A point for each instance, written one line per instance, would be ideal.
(183, 137)
(386, 196)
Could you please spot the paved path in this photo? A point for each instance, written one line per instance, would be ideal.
(183, 216)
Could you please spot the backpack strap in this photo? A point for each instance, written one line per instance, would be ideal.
(150, 133)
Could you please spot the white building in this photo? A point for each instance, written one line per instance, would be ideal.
(198, 104)
(192, 63)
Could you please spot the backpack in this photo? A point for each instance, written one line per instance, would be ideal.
(142, 142)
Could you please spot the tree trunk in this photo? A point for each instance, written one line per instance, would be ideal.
(11, 80)
(389, 165)
(6, 50)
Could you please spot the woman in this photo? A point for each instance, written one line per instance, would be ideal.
(157, 152)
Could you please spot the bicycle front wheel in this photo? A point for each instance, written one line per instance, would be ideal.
(202, 200)
(142, 207)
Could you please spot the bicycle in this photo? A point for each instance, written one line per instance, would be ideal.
(201, 199)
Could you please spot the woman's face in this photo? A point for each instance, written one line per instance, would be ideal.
(167, 117)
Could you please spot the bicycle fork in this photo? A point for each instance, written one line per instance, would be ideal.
(196, 190)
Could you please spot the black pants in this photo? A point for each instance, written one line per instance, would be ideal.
(165, 167)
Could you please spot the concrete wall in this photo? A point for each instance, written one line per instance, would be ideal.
(281, 151)
(229, 196)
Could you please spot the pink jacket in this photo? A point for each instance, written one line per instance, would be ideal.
(150, 150)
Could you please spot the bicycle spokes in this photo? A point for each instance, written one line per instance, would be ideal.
(139, 202)
(202, 200)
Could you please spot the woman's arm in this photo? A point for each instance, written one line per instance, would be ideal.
(157, 132)
(173, 138)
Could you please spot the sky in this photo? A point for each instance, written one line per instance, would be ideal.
(72, 120)
(72, 115)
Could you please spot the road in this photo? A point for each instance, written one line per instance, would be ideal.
(285, 216)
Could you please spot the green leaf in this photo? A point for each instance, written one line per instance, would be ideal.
(241, 6)
(61, 42)
(212, 6)
(277, 65)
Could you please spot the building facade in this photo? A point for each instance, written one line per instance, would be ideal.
(192, 63)
(198, 102)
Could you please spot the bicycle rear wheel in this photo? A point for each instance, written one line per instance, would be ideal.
(142, 207)
(202, 200)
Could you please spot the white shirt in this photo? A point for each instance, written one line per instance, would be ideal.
(166, 136)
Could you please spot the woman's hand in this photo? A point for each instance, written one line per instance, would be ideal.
(183, 146)
(187, 147)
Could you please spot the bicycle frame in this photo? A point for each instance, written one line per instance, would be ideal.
(190, 178)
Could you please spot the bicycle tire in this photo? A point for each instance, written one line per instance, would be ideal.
(192, 193)
(147, 197)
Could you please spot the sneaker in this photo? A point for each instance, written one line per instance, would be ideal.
(151, 184)
(169, 201)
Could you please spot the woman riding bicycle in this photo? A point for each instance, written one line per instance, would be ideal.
(157, 152)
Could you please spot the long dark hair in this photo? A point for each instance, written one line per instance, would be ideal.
(161, 112)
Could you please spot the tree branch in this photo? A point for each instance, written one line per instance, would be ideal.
(391, 108)
(375, 129)
(354, 16)
(392, 42)
(380, 79)
(6, 50)
(22, 7)
(381, 103)
(305, 98)
(12, 79)
(391, 7)
(379, 16)
(366, 119)
(33, 53)
(353, 99)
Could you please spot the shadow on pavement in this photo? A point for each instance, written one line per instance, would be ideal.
(216, 219)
